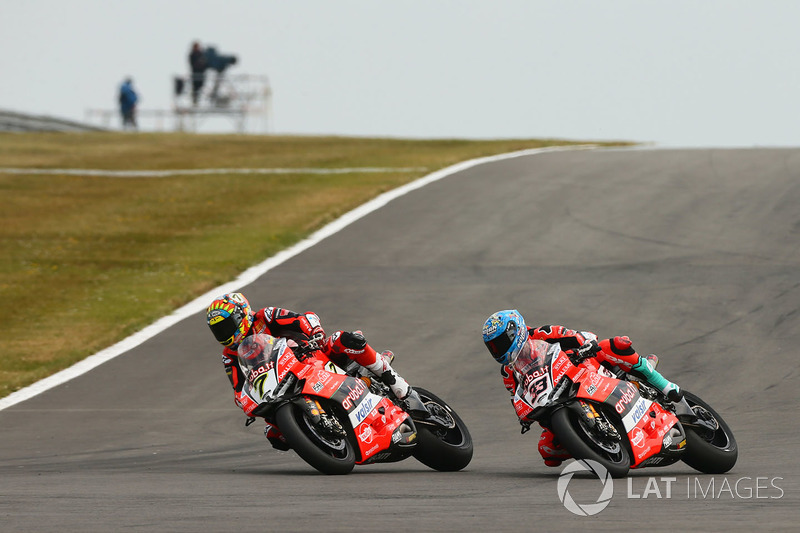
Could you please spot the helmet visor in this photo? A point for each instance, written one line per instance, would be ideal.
(225, 330)
(500, 344)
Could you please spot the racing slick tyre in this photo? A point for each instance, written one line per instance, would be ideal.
(711, 451)
(582, 444)
(443, 440)
(327, 454)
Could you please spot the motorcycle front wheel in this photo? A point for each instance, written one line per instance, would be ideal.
(582, 444)
(327, 454)
(444, 443)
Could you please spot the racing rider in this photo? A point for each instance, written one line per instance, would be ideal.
(506, 336)
(231, 319)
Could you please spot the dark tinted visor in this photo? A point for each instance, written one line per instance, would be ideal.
(500, 344)
(224, 330)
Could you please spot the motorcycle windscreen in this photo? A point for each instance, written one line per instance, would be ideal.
(257, 356)
(532, 368)
(532, 357)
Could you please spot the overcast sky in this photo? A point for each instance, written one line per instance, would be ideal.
(677, 73)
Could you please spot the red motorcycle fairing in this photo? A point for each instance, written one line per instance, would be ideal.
(375, 419)
(645, 421)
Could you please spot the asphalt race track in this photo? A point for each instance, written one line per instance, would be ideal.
(695, 254)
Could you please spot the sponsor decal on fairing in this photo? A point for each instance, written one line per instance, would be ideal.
(362, 409)
(636, 413)
(628, 395)
(637, 437)
(353, 394)
(366, 434)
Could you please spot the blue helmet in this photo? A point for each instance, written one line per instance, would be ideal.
(505, 333)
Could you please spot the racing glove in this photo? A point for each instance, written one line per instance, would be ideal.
(317, 340)
(316, 335)
(587, 350)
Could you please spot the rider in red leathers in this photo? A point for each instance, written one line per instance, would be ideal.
(506, 335)
(231, 319)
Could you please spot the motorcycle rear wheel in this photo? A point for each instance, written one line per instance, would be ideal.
(329, 456)
(446, 448)
(566, 426)
(710, 452)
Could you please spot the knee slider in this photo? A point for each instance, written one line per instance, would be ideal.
(353, 340)
(622, 346)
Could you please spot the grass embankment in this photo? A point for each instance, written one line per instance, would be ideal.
(89, 260)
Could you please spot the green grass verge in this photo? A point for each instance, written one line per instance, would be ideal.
(91, 260)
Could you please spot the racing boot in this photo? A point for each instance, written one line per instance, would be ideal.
(645, 369)
(551, 450)
(383, 369)
(652, 358)
(355, 346)
(620, 351)
(276, 438)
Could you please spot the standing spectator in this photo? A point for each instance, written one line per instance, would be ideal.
(198, 64)
(127, 104)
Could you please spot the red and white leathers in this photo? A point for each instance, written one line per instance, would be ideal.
(339, 347)
(615, 351)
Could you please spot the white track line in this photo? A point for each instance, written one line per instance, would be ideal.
(199, 171)
(253, 273)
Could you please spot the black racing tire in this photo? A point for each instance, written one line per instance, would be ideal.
(445, 450)
(710, 453)
(312, 448)
(565, 426)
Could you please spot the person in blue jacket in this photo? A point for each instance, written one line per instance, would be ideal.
(127, 104)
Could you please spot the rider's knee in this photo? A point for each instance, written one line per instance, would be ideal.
(353, 340)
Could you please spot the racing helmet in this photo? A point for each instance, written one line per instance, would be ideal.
(230, 318)
(504, 334)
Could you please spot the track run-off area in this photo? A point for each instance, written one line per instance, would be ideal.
(695, 254)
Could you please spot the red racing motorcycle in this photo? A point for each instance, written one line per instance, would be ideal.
(334, 419)
(617, 421)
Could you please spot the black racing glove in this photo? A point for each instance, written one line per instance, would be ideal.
(587, 350)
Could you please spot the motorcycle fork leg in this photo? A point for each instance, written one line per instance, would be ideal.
(311, 407)
(594, 420)
(587, 411)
